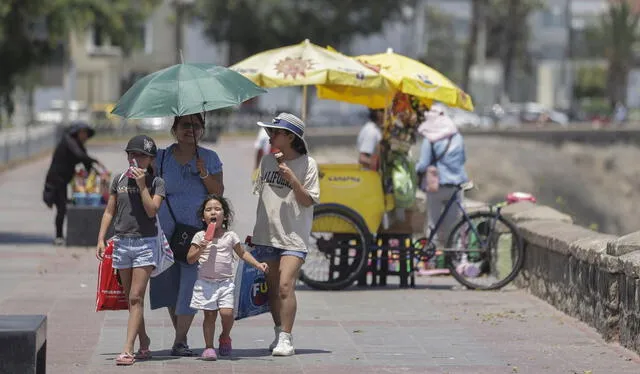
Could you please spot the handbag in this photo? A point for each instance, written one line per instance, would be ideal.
(109, 294)
(251, 292)
(180, 241)
(49, 194)
(163, 256)
(432, 175)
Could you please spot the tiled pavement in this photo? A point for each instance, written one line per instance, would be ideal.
(435, 328)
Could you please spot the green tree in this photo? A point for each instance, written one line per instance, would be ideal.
(441, 44)
(508, 35)
(615, 36)
(591, 81)
(251, 26)
(478, 12)
(35, 32)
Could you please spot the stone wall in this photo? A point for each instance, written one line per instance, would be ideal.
(586, 274)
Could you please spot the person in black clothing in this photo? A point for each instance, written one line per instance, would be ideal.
(69, 152)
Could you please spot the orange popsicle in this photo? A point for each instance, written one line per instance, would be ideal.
(211, 229)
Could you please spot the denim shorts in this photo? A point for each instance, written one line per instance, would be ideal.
(173, 288)
(133, 252)
(273, 253)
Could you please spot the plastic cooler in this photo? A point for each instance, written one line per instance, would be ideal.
(356, 188)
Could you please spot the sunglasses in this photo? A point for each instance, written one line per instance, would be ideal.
(190, 125)
(274, 132)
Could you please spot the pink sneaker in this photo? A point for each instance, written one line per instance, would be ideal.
(225, 346)
(209, 354)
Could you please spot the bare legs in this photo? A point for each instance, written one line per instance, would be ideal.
(281, 281)
(209, 324)
(134, 282)
(226, 315)
(209, 327)
(182, 325)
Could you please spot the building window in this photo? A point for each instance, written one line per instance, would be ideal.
(553, 17)
(99, 43)
(147, 37)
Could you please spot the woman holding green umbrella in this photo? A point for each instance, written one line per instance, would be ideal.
(190, 171)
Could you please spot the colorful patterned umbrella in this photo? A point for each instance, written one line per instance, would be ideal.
(306, 64)
(405, 75)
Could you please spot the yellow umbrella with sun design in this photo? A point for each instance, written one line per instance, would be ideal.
(406, 75)
(306, 64)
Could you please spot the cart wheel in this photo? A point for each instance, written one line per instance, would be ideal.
(338, 248)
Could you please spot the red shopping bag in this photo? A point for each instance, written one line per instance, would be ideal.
(110, 294)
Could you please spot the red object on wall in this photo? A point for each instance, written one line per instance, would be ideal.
(514, 197)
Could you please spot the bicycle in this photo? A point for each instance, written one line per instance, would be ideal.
(484, 249)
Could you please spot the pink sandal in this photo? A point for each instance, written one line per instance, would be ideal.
(125, 359)
(225, 346)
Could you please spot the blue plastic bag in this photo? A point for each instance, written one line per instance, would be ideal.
(250, 294)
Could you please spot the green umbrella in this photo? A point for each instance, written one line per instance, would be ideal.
(185, 89)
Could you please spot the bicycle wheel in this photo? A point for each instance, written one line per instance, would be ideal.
(338, 248)
(487, 267)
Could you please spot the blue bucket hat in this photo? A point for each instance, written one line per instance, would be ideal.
(289, 122)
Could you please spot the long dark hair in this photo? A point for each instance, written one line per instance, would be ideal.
(150, 169)
(298, 145)
(226, 209)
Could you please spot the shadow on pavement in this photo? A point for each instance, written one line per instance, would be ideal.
(389, 287)
(24, 238)
(163, 355)
(239, 354)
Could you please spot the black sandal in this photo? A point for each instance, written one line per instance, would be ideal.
(181, 350)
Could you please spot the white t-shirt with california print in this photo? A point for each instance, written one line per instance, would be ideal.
(281, 221)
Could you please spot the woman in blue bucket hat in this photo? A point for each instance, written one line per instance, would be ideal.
(288, 188)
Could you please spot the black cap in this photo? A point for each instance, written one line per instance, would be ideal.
(142, 144)
(76, 126)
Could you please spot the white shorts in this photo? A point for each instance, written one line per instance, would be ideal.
(212, 294)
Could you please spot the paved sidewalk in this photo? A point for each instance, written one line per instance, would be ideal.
(435, 328)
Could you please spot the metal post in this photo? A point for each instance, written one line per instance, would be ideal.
(66, 84)
(178, 31)
(304, 103)
(568, 71)
(421, 45)
(481, 51)
(181, 10)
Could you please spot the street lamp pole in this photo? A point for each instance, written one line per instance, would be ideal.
(421, 43)
(568, 71)
(181, 7)
(481, 46)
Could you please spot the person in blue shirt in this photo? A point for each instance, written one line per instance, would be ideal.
(443, 147)
(190, 173)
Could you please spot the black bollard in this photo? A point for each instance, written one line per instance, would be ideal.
(23, 344)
